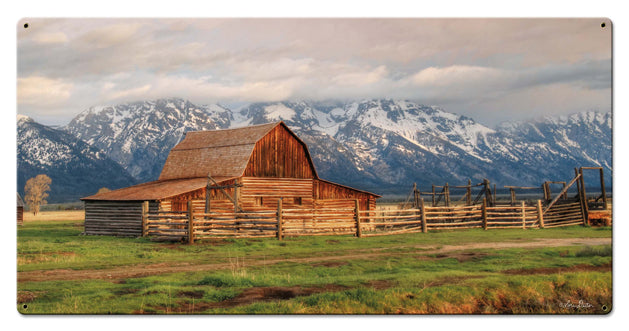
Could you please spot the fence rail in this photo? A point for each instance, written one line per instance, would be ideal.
(191, 226)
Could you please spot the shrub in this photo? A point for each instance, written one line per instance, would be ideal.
(589, 251)
(225, 281)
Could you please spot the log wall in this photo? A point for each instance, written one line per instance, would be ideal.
(20, 215)
(254, 194)
(179, 202)
(261, 194)
(115, 218)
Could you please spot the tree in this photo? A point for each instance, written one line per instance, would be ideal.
(103, 190)
(36, 192)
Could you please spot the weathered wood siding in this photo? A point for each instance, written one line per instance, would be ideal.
(20, 215)
(364, 204)
(264, 192)
(180, 202)
(115, 218)
(260, 193)
(328, 193)
(279, 154)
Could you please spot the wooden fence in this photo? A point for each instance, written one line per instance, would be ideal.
(191, 225)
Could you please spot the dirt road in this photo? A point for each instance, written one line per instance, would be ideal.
(135, 271)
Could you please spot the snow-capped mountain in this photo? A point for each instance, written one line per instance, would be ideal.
(392, 143)
(552, 145)
(585, 136)
(139, 135)
(378, 145)
(386, 142)
(76, 168)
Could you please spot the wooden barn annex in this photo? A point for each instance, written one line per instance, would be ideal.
(239, 170)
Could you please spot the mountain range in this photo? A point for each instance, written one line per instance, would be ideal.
(76, 168)
(378, 145)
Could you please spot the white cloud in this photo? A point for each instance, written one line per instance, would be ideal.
(270, 69)
(137, 92)
(50, 38)
(360, 78)
(110, 35)
(75, 63)
(457, 75)
(42, 91)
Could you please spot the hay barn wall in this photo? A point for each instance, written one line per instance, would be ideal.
(280, 154)
(115, 218)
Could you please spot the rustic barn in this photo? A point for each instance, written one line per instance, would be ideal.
(242, 169)
(20, 210)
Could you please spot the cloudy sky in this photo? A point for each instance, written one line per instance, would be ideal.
(488, 69)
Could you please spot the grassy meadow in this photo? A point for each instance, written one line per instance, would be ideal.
(61, 271)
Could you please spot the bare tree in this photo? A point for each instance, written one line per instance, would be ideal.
(36, 192)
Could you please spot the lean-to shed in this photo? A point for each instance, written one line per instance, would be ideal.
(252, 166)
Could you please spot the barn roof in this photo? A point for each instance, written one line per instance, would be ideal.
(156, 190)
(20, 202)
(221, 153)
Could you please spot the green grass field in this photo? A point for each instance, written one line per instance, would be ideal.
(448, 272)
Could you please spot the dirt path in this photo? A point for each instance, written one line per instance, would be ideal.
(163, 268)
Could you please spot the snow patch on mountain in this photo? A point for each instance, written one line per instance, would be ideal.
(279, 112)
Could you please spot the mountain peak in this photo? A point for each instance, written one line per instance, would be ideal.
(23, 118)
(140, 133)
(76, 168)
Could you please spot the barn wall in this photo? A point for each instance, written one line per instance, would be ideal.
(363, 204)
(279, 154)
(328, 193)
(20, 215)
(115, 218)
(180, 202)
(262, 194)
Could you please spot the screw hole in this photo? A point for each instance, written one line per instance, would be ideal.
(604, 308)
(25, 306)
(603, 25)
(25, 25)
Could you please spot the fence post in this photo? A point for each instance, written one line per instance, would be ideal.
(423, 215)
(493, 198)
(523, 215)
(540, 214)
(280, 233)
(359, 232)
(585, 199)
(484, 209)
(145, 218)
(512, 191)
(415, 195)
(190, 223)
(583, 213)
(468, 195)
(582, 203)
(604, 194)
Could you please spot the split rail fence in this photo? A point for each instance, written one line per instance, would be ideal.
(191, 226)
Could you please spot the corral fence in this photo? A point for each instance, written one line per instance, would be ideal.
(191, 226)
(481, 211)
